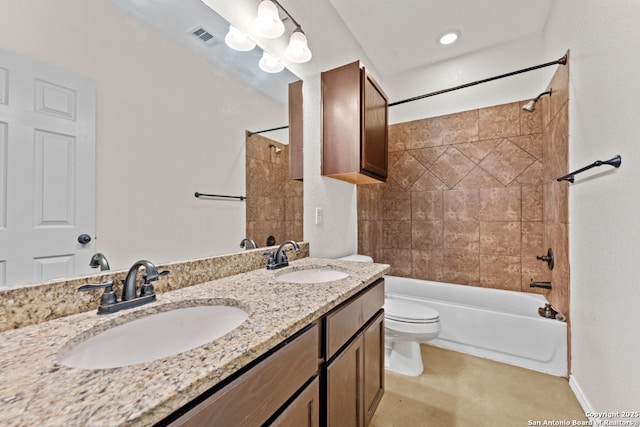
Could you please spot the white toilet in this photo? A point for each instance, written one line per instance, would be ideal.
(406, 325)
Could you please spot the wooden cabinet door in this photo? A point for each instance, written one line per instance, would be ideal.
(374, 143)
(344, 387)
(373, 366)
(304, 411)
(295, 130)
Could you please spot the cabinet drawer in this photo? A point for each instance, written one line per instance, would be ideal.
(344, 322)
(253, 397)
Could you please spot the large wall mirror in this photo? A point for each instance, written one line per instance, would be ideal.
(171, 110)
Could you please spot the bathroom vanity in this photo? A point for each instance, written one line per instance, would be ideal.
(308, 354)
(330, 373)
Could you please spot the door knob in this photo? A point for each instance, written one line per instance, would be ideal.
(83, 239)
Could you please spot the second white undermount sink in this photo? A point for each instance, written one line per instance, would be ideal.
(312, 275)
(154, 337)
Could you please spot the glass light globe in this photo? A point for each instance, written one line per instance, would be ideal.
(268, 23)
(298, 49)
(238, 40)
(270, 64)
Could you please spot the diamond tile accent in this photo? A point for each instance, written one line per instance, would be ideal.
(406, 170)
(507, 161)
(428, 155)
(428, 182)
(533, 175)
(478, 178)
(476, 151)
(452, 166)
(532, 144)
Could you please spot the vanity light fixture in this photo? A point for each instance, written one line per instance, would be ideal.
(269, 63)
(298, 49)
(449, 37)
(238, 40)
(267, 23)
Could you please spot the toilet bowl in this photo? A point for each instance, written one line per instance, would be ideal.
(406, 325)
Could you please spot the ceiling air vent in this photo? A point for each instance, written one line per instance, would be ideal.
(203, 35)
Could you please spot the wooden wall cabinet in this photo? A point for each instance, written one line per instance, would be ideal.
(296, 168)
(354, 126)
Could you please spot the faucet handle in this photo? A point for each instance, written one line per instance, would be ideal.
(148, 278)
(89, 286)
(108, 297)
(271, 258)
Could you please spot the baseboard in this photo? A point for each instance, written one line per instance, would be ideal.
(582, 399)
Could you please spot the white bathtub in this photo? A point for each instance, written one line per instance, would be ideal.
(496, 324)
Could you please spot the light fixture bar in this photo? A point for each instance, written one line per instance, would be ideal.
(287, 13)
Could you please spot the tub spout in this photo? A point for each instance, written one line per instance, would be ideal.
(544, 285)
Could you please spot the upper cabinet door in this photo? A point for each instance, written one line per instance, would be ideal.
(375, 144)
(354, 126)
(296, 170)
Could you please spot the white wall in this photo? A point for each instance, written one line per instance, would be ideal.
(488, 63)
(168, 124)
(604, 203)
(337, 234)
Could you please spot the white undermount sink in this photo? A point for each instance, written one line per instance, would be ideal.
(154, 337)
(312, 275)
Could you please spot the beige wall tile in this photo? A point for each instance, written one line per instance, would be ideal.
(463, 269)
(532, 203)
(500, 272)
(485, 206)
(507, 161)
(500, 238)
(451, 167)
(396, 206)
(406, 170)
(461, 237)
(427, 235)
(427, 265)
(533, 239)
(427, 205)
(462, 205)
(500, 204)
(400, 261)
(396, 234)
(500, 121)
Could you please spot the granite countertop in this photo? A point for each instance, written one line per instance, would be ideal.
(36, 390)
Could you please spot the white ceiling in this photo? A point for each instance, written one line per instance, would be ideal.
(390, 36)
(401, 35)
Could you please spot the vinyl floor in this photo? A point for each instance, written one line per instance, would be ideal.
(458, 389)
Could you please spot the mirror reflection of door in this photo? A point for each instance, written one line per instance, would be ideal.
(47, 171)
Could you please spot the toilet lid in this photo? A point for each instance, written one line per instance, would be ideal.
(408, 311)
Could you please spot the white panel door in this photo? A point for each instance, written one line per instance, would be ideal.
(47, 171)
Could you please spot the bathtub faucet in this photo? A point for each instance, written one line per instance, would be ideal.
(544, 285)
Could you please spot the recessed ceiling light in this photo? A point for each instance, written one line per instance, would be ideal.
(449, 37)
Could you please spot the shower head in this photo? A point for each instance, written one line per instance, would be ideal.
(531, 105)
(277, 150)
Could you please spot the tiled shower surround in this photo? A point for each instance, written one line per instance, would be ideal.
(472, 198)
(274, 202)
